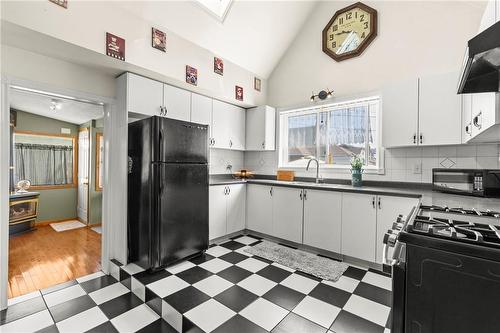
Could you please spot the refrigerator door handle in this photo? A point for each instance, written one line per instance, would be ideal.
(161, 144)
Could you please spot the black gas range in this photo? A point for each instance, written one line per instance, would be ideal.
(446, 270)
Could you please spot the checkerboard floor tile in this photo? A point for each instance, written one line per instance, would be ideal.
(224, 290)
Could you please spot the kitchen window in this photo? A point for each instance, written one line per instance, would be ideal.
(331, 133)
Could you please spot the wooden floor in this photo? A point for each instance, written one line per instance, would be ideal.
(44, 257)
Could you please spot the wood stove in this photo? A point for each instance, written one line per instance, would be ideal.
(23, 212)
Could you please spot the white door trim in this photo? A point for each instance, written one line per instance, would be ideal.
(114, 216)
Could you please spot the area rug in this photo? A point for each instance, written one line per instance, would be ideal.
(67, 225)
(97, 229)
(324, 268)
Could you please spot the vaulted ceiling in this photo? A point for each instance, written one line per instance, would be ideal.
(254, 34)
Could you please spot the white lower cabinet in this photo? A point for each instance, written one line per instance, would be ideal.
(359, 225)
(287, 213)
(226, 209)
(260, 208)
(323, 219)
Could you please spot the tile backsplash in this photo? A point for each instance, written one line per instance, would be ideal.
(221, 159)
(411, 164)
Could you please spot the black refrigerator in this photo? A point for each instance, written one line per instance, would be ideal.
(167, 191)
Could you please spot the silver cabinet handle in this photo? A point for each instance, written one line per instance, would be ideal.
(161, 110)
(421, 138)
(228, 190)
(305, 194)
(476, 121)
(271, 191)
(379, 204)
(300, 195)
(415, 138)
(263, 145)
(373, 202)
(230, 143)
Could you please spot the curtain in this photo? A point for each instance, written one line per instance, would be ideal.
(44, 164)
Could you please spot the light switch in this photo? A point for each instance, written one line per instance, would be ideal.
(417, 168)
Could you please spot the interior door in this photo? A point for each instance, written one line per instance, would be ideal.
(83, 175)
(182, 211)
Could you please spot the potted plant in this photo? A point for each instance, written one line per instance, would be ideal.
(356, 170)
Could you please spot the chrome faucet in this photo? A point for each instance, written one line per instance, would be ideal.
(317, 168)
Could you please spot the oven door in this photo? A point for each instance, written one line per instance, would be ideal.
(449, 292)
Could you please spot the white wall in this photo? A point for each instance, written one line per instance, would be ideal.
(85, 24)
(414, 38)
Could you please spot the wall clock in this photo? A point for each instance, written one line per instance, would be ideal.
(350, 31)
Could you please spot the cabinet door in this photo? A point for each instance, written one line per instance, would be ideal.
(400, 114)
(201, 109)
(466, 117)
(177, 102)
(323, 219)
(287, 213)
(484, 112)
(220, 124)
(259, 208)
(359, 225)
(237, 128)
(235, 207)
(388, 209)
(217, 212)
(144, 96)
(439, 110)
(260, 128)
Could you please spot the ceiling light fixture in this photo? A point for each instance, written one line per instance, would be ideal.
(321, 95)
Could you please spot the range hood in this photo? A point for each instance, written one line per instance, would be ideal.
(481, 67)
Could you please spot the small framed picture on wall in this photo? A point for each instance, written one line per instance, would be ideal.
(62, 3)
(218, 66)
(115, 46)
(238, 93)
(191, 75)
(158, 39)
(257, 84)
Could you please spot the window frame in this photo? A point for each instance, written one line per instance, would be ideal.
(75, 159)
(317, 109)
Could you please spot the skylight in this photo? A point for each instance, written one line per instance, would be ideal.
(218, 8)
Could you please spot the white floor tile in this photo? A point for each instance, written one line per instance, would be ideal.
(217, 251)
(378, 280)
(345, 283)
(90, 277)
(114, 271)
(132, 269)
(167, 286)
(138, 288)
(83, 321)
(264, 313)
(215, 265)
(22, 298)
(107, 293)
(387, 330)
(171, 316)
(299, 283)
(252, 265)
(180, 267)
(29, 323)
(209, 315)
(241, 250)
(135, 319)
(368, 309)
(246, 240)
(213, 285)
(317, 311)
(257, 284)
(63, 295)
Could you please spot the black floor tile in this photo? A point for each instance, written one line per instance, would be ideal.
(236, 298)
(310, 276)
(189, 327)
(239, 324)
(186, 299)
(58, 287)
(285, 297)
(119, 305)
(22, 309)
(388, 323)
(297, 324)
(116, 262)
(379, 272)
(374, 293)
(347, 322)
(70, 308)
(49, 329)
(355, 273)
(201, 258)
(149, 277)
(106, 327)
(233, 257)
(232, 245)
(234, 274)
(98, 283)
(158, 326)
(330, 295)
(274, 273)
(194, 274)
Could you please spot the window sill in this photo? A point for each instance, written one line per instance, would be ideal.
(334, 168)
(51, 187)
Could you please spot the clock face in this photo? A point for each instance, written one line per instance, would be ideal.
(349, 31)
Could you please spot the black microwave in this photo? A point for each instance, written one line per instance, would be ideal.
(476, 182)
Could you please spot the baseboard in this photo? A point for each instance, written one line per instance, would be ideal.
(47, 222)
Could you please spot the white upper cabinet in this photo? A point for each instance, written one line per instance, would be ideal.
(237, 128)
(400, 114)
(466, 117)
(287, 213)
(144, 96)
(485, 111)
(260, 128)
(220, 124)
(260, 208)
(440, 110)
(177, 103)
(201, 109)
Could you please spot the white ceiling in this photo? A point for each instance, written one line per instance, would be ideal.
(254, 34)
(71, 111)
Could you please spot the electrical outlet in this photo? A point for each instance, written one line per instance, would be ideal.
(417, 168)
